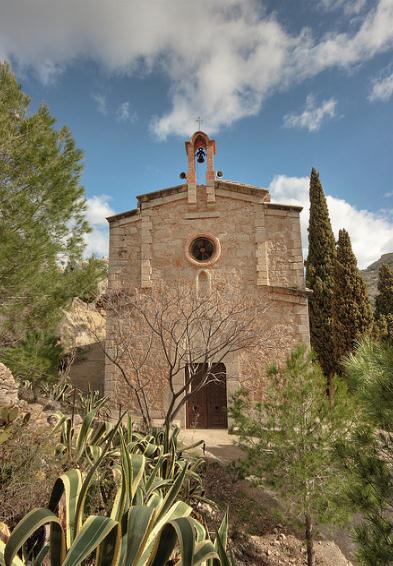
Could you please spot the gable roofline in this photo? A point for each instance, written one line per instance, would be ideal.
(234, 186)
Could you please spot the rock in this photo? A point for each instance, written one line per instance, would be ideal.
(370, 275)
(83, 324)
(52, 420)
(78, 420)
(8, 387)
(52, 405)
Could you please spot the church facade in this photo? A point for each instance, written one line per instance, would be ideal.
(218, 230)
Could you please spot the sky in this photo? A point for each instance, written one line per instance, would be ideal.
(281, 85)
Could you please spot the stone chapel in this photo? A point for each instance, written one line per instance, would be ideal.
(213, 229)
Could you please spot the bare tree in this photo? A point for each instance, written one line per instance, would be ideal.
(158, 338)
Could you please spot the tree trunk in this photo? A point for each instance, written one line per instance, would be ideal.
(35, 388)
(331, 390)
(309, 540)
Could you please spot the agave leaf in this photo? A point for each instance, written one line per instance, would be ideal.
(157, 484)
(43, 553)
(172, 493)
(60, 423)
(195, 445)
(27, 527)
(155, 500)
(224, 559)
(177, 511)
(180, 530)
(99, 432)
(85, 433)
(222, 533)
(153, 474)
(139, 523)
(200, 530)
(129, 429)
(69, 483)
(96, 531)
(119, 502)
(89, 477)
(16, 561)
(134, 468)
(205, 551)
(93, 452)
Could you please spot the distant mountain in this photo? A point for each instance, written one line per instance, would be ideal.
(370, 274)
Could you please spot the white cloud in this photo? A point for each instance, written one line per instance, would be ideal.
(348, 6)
(223, 58)
(371, 233)
(100, 100)
(98, 209)
(313, 114)
(382, 88)
(124, 113)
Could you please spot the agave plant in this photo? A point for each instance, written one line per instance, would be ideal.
(147, 524)
(82, 445)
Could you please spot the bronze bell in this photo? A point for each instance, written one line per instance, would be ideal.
(200, 155)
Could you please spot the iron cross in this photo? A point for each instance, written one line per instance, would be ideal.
(200, 121)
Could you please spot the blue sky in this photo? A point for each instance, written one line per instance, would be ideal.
(281, 85)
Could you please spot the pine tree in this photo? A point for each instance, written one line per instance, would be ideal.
(320, 276)
(370, 457)
(42, 222)
(42, 229)
(352, 315)
(290, 441)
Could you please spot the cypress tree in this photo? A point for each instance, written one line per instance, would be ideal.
(384, 304)
(384, 299)
(320, 276)
(352, 315)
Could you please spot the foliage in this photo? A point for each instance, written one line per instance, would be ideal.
(145, 526)
(384, 299)
(369, 373)
(84, 276)
(83, 445)
(27, 470)
(320, 275)
(370, 459)
(42, 209)
(384, 303)
(290, 439)
(352, 316)
(34, 359)
(42, 229)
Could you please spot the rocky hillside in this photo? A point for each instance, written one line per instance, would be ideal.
(370, 275)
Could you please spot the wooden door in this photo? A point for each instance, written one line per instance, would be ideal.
(216, 393)
(207, 408)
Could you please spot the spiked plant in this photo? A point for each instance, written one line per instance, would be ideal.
(146, 525)
(83, 445)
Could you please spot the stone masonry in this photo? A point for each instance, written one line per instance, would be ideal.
(259, 246)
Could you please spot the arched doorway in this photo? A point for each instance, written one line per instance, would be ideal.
(207, 408)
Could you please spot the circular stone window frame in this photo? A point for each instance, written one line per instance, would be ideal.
(216, 254)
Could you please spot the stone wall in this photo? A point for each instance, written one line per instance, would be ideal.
(89, 368)
(261, 254)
